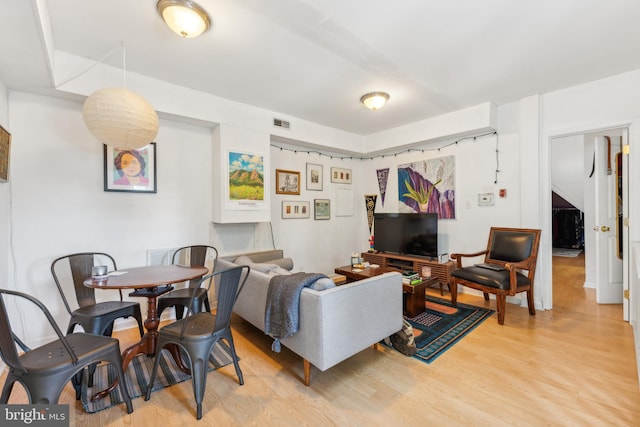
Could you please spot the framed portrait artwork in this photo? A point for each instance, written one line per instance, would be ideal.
(321, 209)
(291, 209)
(314, 177)
(5, 146)
(287, 182)
(341, 176)
(130, 170)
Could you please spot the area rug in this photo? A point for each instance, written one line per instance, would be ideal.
(566, 252)
(442, 325)
(138, 373)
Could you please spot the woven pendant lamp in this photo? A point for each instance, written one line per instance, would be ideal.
(120, 118)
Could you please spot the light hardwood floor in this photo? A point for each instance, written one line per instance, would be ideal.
(572, 366)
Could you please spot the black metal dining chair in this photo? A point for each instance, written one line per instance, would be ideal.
(94, 317)
(200, 331)
(69, 272)
(196, 255)
(44, 371)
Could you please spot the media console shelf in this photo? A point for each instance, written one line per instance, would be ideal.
(441, 271)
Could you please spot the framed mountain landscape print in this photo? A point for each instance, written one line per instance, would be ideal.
(246, 177)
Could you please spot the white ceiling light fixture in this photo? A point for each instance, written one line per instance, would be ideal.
(374, 100)
(184, 17)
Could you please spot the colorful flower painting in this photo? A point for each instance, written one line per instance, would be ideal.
(428, 186)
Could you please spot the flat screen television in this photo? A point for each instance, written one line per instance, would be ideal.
(406, 233)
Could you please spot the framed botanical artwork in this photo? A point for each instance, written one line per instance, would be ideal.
(341, 176)
(287, 182)
(321, 209)
(130, 170)
(5, 145)
(314, 177)
(291, 209)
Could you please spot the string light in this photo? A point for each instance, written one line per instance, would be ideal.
(409, 150)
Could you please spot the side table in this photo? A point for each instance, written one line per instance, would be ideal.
(414, 296)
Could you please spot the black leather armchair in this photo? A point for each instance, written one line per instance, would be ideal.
(509, 267)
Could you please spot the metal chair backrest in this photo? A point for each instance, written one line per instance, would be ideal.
(9, 339)
(229, 284)
(196, 256)
(8, 348)
(79, 266)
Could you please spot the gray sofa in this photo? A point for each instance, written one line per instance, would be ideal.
(335, 323)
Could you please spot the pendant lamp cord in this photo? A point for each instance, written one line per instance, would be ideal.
(99, 61)
(124, 65)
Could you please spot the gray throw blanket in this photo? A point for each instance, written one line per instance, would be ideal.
(282, 311)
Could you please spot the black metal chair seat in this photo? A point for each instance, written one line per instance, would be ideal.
(98, 318)
(44, 371)
(58, 361)
(179, 297)
(196, 255)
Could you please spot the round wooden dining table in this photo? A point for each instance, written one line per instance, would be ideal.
(150, 282)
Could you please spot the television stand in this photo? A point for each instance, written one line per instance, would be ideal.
(441, 271)
(397, 264)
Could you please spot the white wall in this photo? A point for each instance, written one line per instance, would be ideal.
(4, 196)
(59, 205)
(589, 190)
(475, 165)
(567, 169)
(320, 245)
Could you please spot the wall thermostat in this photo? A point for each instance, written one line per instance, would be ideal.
(485, 199)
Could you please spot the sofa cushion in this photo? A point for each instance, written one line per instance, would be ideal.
(243, 260)
(322, 284)
(286, 263)
(263, 267)
(280, 270)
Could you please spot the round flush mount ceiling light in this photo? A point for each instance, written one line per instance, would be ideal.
(184, 17)
(374, 100)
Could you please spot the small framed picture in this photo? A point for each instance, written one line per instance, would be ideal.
(314, 177)
(287, 182)
(291, 209)
(341, 176)
(130, 170)
(321, 209)
(5, 148)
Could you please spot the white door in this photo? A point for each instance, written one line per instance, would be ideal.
(626, 248)
(609, 271)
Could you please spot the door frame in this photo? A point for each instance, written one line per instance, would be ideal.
(545, 251)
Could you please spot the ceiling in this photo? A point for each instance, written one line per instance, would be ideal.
(313, 59)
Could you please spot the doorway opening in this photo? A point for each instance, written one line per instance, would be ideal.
(588, 181)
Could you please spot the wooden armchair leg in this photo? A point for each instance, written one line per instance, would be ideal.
(531, 303)
(307, 372)
(501, 300)
(453, 290)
